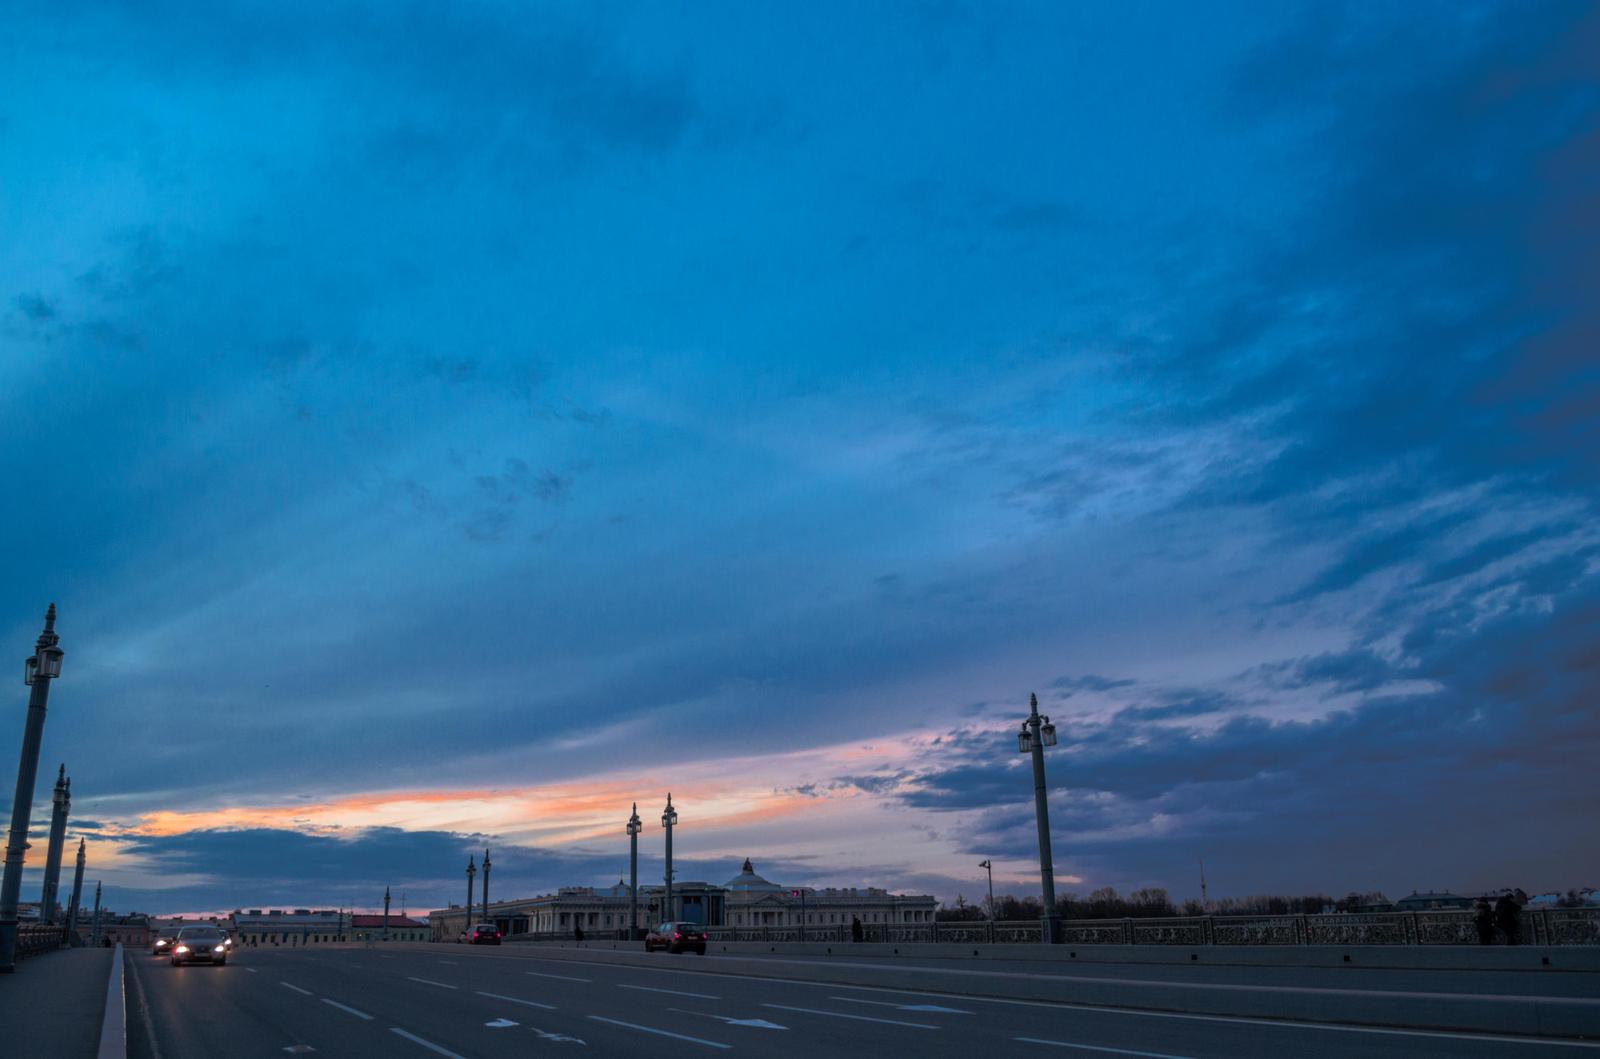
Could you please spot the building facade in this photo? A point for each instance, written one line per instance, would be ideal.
(397, 928)
(303, 926)
(746, 900)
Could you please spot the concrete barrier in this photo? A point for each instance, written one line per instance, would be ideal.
(114, 1023)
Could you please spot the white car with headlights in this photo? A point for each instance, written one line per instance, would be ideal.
(199, 945)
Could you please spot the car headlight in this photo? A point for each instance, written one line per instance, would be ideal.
(181, 948)
(217, 949)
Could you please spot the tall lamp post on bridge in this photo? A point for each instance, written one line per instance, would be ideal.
(486, 918)
(472, 870)
(43, 666)
(1038, 733)
(634, 826)
(69, 933)
(988, 866)
(669, 816)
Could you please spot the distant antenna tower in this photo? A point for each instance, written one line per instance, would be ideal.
(1205, 899)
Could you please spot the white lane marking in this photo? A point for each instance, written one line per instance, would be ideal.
(351, 1010)
(1098, 1048)
(252, 970)
(430, 981)
(297, 989)
(516, 1000)
(931, 1009)
(661, 1033)
(501, 1024)
(452, 963)
(856, 1018)
(299, 1049)
(563, 977)
(558, 1036)
(674, 992)
(760, 1024)
(413, 1038)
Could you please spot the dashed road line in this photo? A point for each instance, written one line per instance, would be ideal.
(515, 1000)
(1098, 1048)
(856, 1018)
(674, 992)
(347, 1008)
(661, 1033)
(297, 989)
(563, 977)
(925, 1009)
(430, 981)
(414, 1039)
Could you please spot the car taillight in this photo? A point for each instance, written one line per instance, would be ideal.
(676, 936)
(498, 934)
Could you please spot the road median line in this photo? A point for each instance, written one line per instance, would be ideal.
(661, 1033)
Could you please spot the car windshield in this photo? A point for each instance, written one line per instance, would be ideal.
(199, 935)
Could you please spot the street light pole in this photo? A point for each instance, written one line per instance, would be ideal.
(669, 816)
(486, 918)
(60, 805)
(472, 869)
(988, 865)
(43, 666)
(634, 824)
(94, 936)
(70, 935)
(1038, 733)
(385, 913)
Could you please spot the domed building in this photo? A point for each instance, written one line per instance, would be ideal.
(753, 901)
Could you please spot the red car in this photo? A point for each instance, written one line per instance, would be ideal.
(483, 934)
(677, 937)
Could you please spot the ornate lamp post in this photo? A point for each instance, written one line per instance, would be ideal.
(70, 934)
(472, 870)
(486, 918)
(634, 826)
(385, 913)
(61, 805)
(669, 816)
(94, 936)
(1038, 733)
(40, 668)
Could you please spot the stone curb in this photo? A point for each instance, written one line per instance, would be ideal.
(114, 1026)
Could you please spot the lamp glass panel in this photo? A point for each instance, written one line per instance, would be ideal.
(29, 665)
(1047, 733)
(1024, 743)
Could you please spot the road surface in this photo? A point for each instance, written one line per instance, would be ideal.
(469, 1002)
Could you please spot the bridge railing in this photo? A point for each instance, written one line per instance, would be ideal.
(1557, 926)
(36, 938)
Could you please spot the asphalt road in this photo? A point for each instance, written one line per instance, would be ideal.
(451, 1000)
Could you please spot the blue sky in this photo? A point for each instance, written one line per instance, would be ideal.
(442, 425)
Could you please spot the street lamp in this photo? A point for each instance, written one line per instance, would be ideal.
(486, 884)
(634, 827)
(1038, 733)
(43, 666)
(669, 816)
(988, 865)
(472, 869)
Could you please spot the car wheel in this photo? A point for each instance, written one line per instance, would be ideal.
(222, 962)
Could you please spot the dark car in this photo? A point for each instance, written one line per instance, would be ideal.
(484, 934)
(200, 945)
(160, 944)
(677, 937)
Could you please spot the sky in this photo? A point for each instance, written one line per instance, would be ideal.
(444, 426)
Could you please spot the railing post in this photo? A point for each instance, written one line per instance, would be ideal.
(1127, 932)
(1208, 931)
(1301, 929)
(1413, 931)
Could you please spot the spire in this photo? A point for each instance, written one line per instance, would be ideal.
(748, 869)
(50, 619)
(61, 775)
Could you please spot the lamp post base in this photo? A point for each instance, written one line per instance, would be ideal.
(1050, 930)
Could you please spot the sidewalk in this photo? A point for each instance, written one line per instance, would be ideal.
(52, 1005)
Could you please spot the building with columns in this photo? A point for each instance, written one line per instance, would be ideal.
(746, 900)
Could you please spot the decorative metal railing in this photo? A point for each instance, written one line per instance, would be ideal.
(1559, 926)
(35, 938)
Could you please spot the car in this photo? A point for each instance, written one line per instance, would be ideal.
(199, 945)
(484, 934)
(160, 944)
(677, 937)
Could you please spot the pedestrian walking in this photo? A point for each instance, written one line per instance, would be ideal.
(577, 933)
(1483, 919)
(855, 928)
(1508, 916)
